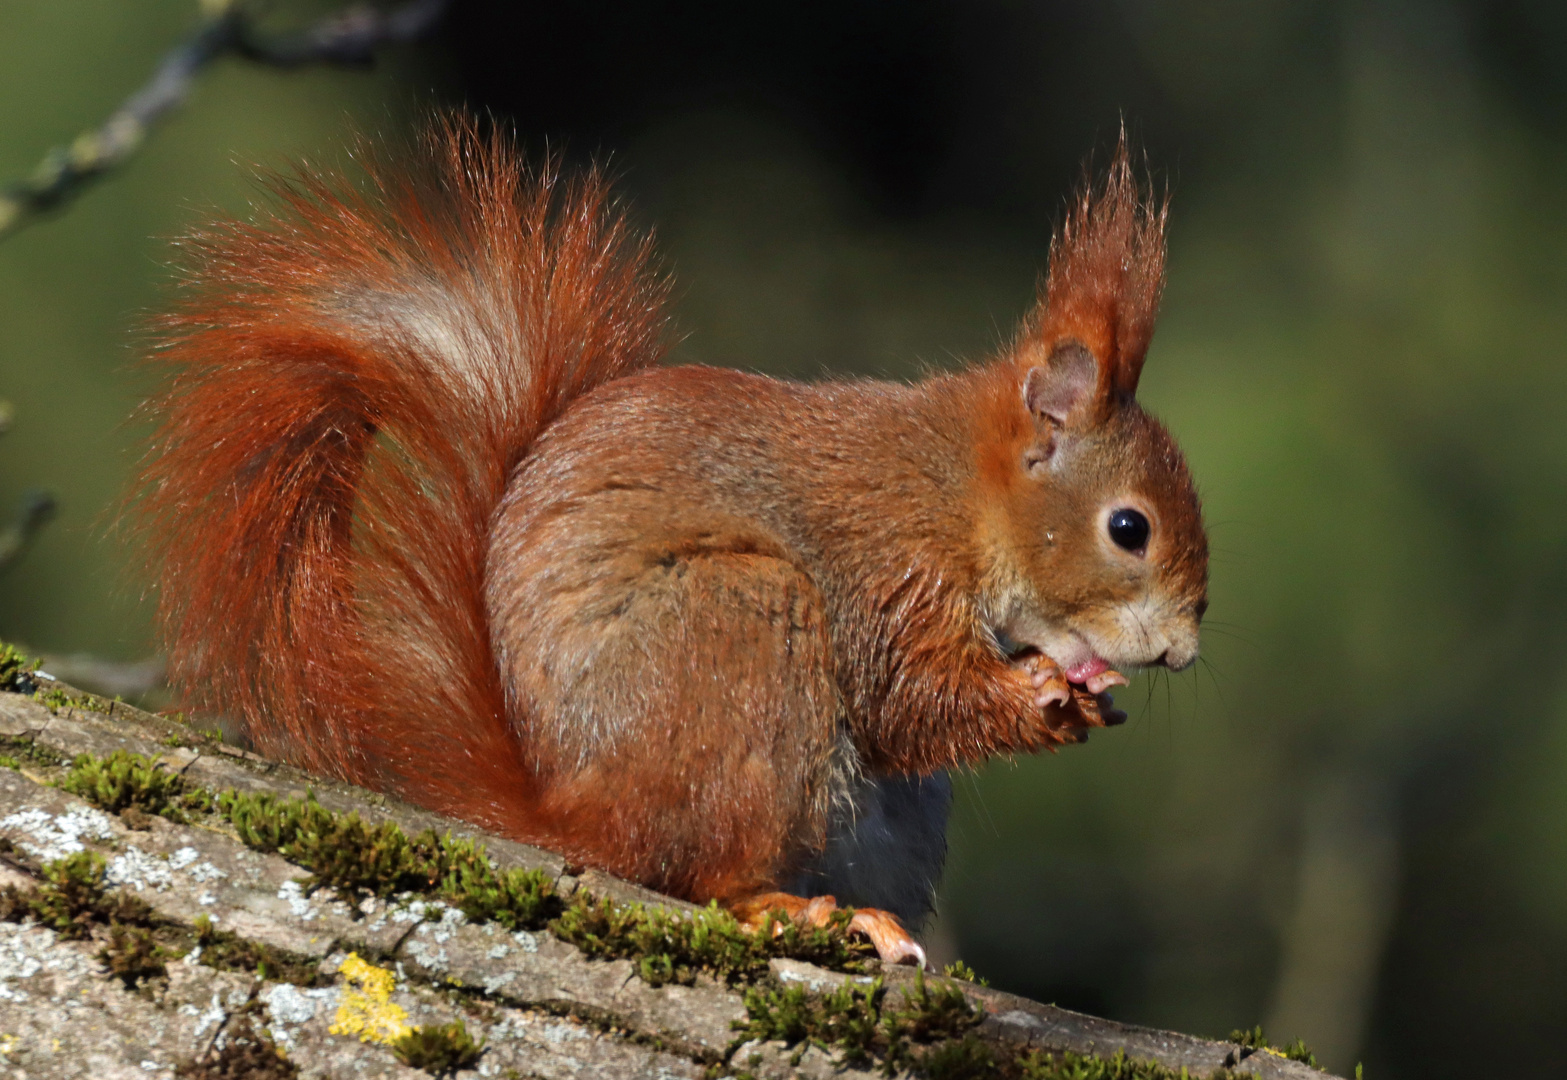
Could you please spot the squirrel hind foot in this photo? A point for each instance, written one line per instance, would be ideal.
(893, 943)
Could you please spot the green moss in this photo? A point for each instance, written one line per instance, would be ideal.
(856, 1022)
(1037, 1065)
(963, 973)
(224, 951)
(1256, 1040)
(53, 698)
(24, 751)
(66, 901)
(16, 670)
(352, 856)
(343, 852)
(189, 736)
(517, 899)
(124, 781)
(931, 1035)
(132, 955)
(441, 1049)
(847, 1020)
(357, 859)
(669, 946)
(930, 1014)
(247, 1054)
(71, 900)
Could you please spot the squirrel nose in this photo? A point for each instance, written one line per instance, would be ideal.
(1178, 659)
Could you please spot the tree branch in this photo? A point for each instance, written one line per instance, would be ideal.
(348, 38)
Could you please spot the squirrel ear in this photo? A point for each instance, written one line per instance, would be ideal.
(1063, 389)
(1106, 275)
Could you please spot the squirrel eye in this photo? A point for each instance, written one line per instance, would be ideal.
(1128, 529)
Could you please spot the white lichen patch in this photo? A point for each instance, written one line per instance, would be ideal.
(48, 836)
(443, 929)
(186, 859)
(212, 1015)
(408, 910)
(559, 1033)
(141, 870)
(432, 957)
(26, 950)
(495, 982)
(519, 1029)
(438, 924)
(290, 1007)
(298, 904)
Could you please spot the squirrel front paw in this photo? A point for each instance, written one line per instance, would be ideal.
(1049, 683)
(1083, 705)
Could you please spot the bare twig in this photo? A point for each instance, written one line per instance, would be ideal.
(36, 508)
(347, 38)
(32, 513)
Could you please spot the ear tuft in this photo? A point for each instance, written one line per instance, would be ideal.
(1106, 277)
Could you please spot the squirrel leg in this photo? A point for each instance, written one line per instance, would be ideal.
(886, 846)
(681, 704)
(892, 941)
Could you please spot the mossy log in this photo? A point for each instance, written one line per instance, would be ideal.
(154, 927)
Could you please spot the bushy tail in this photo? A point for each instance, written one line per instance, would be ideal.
(352, 380)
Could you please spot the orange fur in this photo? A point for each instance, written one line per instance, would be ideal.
(1106, 278)
(321, 487)
(431, 519)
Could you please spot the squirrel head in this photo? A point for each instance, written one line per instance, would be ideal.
(1094, 541)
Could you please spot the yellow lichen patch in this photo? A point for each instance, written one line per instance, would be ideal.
(367, 1010)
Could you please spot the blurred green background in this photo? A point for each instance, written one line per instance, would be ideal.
(1350, 823)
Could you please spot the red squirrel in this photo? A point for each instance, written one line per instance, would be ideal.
(433, 518)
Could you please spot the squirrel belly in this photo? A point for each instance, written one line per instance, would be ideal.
(429, 516)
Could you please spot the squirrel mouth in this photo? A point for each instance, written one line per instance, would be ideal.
(1081, 673)
(1094, 675)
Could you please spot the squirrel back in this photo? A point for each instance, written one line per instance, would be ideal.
(351, 383)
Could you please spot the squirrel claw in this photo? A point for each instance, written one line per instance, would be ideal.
(1055, 692)
(1049, 684)
(1098, 684)
(1046, 673)
(892, 941)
